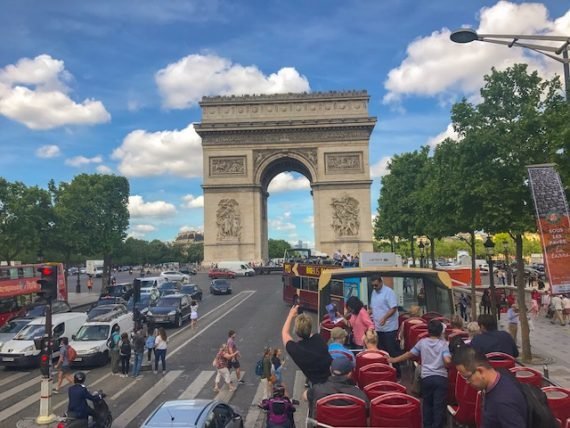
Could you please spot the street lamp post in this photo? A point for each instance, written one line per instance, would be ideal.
(421, 246)
(508, 264)
(78, 285)
(489, 249)
(467, 35)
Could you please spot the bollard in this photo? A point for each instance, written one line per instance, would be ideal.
(545, 371)
(45, 417)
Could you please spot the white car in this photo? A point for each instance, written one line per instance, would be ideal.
(173, 275)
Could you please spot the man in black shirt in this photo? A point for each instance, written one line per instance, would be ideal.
(493, 340)
(311, 353)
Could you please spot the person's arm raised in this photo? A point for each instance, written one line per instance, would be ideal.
(286, 330)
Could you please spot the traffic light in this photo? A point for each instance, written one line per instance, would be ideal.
(45, 357)
(136, 291)
(48, 282)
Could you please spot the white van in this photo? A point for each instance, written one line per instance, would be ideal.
(24, 349)
(149, 282)
(240, 268)
(90, 341)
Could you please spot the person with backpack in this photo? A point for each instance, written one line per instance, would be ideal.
(63, 365)
(279, 409)
(149, 344)
(113, 345)
(221, 363)
(125, 353)
(266, 375)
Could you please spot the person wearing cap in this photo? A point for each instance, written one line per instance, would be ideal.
(336, 345)
(339, 382)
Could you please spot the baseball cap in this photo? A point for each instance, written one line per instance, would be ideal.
(341, 366)
(338, 333)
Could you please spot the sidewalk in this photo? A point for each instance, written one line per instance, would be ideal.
(552, 343)
(81, 299)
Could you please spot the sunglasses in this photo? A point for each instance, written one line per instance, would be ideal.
(467, 378)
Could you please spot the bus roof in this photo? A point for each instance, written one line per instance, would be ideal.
(438, 276)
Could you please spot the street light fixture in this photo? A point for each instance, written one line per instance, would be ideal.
(490, 251)
(421, 246)
(468, 35)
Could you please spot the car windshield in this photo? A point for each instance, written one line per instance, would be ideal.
(36, 311)
(102, 302)
(142, 303)
(30, 332)
(98, 311)
(221, 283)
(92, 332)
(168, 302)
(13, 326)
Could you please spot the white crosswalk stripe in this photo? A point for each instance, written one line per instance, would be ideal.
(196, 386)
(12, 378)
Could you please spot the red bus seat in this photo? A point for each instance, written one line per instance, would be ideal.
(431, 315)
(558, 401)
(408, 324)
(478, 408)
(452, 376)
(499, 360)
(325, 331)
(527, 375)
(376, 372)
(415, 331)
(464, 412)
(376, 389)
(341, 410)
(395, 410)
(369, 357)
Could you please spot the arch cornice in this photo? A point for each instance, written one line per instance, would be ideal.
(264, 159)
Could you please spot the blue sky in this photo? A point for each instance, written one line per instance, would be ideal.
(112, 86)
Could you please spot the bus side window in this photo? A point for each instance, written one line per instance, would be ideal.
(312, 284)
(296, 282)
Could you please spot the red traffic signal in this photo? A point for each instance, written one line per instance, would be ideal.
(44, 359)
(47, 270)
(48, 282)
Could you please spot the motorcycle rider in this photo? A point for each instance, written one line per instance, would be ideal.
(78, 407)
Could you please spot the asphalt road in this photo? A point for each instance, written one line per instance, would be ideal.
(255, 311)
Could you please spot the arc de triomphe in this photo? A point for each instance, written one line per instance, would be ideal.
(248, 140)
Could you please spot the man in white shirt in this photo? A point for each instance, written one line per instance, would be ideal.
(384, 305)
(557, 305)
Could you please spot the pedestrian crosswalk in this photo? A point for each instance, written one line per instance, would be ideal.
(132, 400)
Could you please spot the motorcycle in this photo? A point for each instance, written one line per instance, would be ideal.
(102, 416)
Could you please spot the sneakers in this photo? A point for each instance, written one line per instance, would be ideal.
(163, 372)
(55, 391)
(216, 389)
(241, 381)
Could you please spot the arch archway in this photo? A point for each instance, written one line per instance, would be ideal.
(249, 140)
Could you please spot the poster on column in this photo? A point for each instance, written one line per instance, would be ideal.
(554, 224)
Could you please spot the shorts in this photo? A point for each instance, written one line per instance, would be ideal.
(233, 364)
(194, 316)
(66, 370)
(566, 311)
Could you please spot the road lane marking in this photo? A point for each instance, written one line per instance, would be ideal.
(146, 399)
(19, 388)
(302, 410)
(247, 293)
(225, 394)
(90, 388)
(196, 386)
(254, 412)
(127, 387)
(12, 378)
(20, 405)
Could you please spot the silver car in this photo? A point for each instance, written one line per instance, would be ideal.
(193, 414)
(173, 275)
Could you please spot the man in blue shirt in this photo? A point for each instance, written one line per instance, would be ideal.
(78, 396)
(493, 340)
(384, 305)
(504, 405)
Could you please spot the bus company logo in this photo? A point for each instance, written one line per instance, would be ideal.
(313, 270)
(287, 267)
(552, 217)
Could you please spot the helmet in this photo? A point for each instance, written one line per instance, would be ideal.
(79, 377)
(278, 390)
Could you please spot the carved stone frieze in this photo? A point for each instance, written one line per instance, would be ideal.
(228, 220)
(230, 165)
(343, 163)
(345, 216)
(308, 153)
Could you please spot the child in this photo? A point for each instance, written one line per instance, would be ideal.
(194, 314)
(277, 362)
(125, 353)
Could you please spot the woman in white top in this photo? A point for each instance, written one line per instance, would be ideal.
(194, 314)
(160, 346)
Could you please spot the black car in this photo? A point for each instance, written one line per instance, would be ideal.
(123, 290)
(189, 271)
(220, 286)
(142, 305)
(192, 290)
(38, 309)
(110, 300)
(106, 309)
(171, 285)
(173, 309)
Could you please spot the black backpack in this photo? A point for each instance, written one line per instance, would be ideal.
(539, 414)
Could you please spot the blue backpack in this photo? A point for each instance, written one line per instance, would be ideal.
(259, 368)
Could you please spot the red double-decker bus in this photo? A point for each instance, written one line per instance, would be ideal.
(19, 288)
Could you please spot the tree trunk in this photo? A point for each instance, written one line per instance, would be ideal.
(392, 244)
(412, 252)
(523, 320)
(473, 295)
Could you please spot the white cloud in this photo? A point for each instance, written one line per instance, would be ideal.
(182, 84)
(448, 133)
(34, 92)
(380, 168)
(79, 161)
(48, 151)
(285, 182)
(435, 65)
(144, 154)
(190, 201)
(281, 224)
(139, 208)
(192, 228)
(143, 228)
(104, 169)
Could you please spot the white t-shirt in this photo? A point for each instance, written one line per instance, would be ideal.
(159, 343)
(557, 303)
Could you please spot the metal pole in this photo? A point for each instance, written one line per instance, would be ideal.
(566, 74)
(494, 308)
(46, 416)
(78, 285)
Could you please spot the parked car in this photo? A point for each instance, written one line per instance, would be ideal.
(106, 309)
(221, 273)
(189, 271)
(528, 271)
(12, 328)
(173, 309)
(171, 285)
(192, 290)
(174, 275)
(110, 300)
(199, 413)
(123, 290)
(38, 308)
(142, 305)
(220, 286)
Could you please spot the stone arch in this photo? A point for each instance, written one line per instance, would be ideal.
(248, 140)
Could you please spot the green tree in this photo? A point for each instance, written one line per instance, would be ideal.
(195, 252)
(277, 248)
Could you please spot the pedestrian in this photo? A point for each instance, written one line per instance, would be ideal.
(113, 345)
(149, 344)
(234, 362)
(384, 305)
(63, 366)
(435, 356)
(193, 314)
(138, 349)
(358, 320)
(160, 347)
(493, 340)
(422, 299)
(513, 321)
(125, 354)
(220, 363)
(566, 309)
(558, 307)
(463, 306)
(511, 299)
(486, 302)
(504, 403)
(277, 362)
(310, 353)
(89, 283)
(266, 376)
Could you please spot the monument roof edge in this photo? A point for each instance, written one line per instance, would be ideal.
(285, 97)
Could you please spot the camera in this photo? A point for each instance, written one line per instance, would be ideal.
(300, 310)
